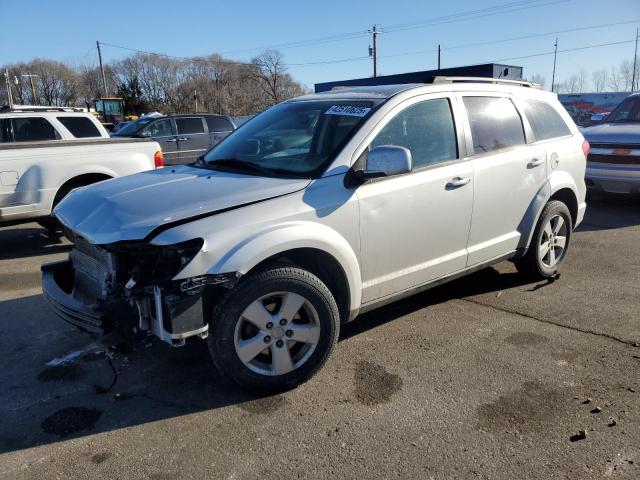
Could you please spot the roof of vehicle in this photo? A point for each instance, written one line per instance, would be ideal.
(384, 92)
(46, 113)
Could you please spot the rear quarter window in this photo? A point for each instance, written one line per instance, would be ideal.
(6, 135)
(219, 124)
(80, 127)
(545, 121)
(495, 123)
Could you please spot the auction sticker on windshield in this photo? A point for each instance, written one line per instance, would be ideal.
(349, 110)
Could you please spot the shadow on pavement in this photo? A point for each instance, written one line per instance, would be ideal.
(610, 211)
(21, 242)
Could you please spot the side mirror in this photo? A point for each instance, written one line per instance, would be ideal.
(387, 160)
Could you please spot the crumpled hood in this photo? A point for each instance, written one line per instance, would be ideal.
(130, 208)
(620, 133)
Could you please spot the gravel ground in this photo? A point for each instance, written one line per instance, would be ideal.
(486, 377)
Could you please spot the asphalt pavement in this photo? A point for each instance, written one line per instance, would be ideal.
(489, 376)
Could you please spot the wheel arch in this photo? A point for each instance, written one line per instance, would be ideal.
(314, 247)
(563, 189)
(79, 181)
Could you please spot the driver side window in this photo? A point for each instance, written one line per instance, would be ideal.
(426, 129)
(159, 128)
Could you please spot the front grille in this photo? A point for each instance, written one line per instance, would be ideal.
(631, 146)
(614, 159)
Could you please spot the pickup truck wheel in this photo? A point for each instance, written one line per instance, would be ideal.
(549, 243)
(274, 330)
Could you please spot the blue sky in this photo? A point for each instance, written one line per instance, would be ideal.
(67, 30)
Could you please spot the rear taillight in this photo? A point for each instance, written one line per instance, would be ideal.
(158, 159)
(585, 149)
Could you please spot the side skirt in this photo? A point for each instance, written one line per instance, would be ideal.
(380, 302)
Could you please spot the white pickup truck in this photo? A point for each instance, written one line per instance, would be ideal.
(46, 154)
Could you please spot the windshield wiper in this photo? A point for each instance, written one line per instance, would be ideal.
(232, 164)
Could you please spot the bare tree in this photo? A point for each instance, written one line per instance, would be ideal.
(582, 81)
(538, 78)
(615, 80)
(160, 83)
(599, 80)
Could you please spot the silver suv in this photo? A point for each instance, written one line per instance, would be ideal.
(319, 209)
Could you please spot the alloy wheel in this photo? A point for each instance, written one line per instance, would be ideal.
(553, 241)
(277, 333)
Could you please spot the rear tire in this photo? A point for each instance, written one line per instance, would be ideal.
(549, 244)
(293, 327)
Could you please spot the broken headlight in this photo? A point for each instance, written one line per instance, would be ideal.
(146, 264)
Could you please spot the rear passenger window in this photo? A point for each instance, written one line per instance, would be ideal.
(189, 125)
(544, 120)
(495, 123)
(218, 124)
(426, 129)
(80, 127)
(33, 129)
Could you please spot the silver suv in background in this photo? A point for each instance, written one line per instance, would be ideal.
(321, 208)
(183, 138)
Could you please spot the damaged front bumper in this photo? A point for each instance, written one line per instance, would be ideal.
(89, 292)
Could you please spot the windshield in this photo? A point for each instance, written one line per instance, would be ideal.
(295, 138)
(627, 111)
(131, 128)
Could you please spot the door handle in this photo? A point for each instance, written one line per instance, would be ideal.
(535, 162)
(172, 140)
(183, 139)
(458, 182)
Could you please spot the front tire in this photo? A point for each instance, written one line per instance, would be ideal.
(549, 243)
(274, 330)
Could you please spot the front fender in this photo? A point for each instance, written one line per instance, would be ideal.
(248, 253)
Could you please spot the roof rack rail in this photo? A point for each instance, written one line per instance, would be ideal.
(503, 81)
(29, 108)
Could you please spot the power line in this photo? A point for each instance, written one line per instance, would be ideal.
(475, 44)
(586, 47)
(450, 18)
(476, 14)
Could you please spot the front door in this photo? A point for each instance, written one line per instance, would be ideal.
(193, 139)
(508, 174)
(162, 131)
(414, 227)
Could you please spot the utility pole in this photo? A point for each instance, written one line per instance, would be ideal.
(635, 61)
(373, 51)
(104, 79)
(8, 84)
(195, 97)
(438, 57)
(33, 87)
(555, 55)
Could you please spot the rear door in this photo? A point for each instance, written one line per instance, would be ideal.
(193, 138)
(508, 174)
(163, 132)
(219, 127)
